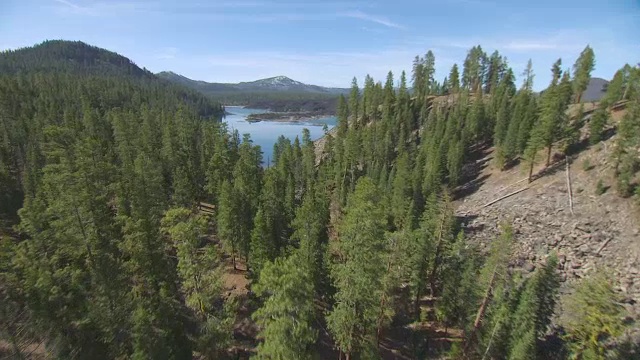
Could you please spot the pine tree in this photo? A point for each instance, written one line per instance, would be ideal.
(625, 154)
(429, 72)
(616, 89)
(287, 314)
(494, 73)
(459, 287)
(534, 310)
(247, 183)
(593, 317)
(359, 270)
(492, 280)
(454, 79)
(199, 272)
(473, 71)
(154, 280)
(502, 114)
(354, 104)
(417, 76)
(310, 235)
(228, 220)
(552, 124)
(523, 116)
(582, 72)
(596, 125)
(343, 116)
(219, 165)
(263, 245)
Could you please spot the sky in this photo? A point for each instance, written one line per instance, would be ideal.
(326, 42)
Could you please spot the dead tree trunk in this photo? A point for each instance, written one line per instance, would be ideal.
(569, 190)
(481, 311)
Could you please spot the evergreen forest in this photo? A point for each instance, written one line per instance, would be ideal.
(125, 204)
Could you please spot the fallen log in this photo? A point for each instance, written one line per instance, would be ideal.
(604, 245)
(504, 197)
(510, 185)
(569, 186)
(205, 205)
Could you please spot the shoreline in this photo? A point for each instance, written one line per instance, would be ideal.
(286, 117)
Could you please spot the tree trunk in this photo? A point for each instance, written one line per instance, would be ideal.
(233, 259)
(578, 98)
(530, 172)
(481, 311)
(549, 155)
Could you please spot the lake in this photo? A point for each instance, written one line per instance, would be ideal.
(266, 133)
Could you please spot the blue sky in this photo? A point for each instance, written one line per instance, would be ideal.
(327, 42)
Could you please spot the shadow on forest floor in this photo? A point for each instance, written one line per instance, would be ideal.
(479, 159)
(584, 143)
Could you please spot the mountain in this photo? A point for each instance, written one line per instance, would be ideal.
(278, 93)
(276, 83)
(595, 90)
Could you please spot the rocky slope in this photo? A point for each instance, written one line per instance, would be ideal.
(600, 233)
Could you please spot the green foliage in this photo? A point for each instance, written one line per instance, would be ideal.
(310, 233)
(200, 275)
(287, 314)
(596, 125)
(358, 271)
(536, 306)
(594, 317)
(454, 79)
(460, 290)
(585, 63)
(625, 153)
(553, 122)
(111, 261)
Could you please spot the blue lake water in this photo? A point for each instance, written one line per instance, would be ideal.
(266, 133)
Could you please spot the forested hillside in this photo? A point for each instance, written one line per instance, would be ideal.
(136, 211)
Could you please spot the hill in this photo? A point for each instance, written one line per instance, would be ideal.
(73, 57)
(596, 89)
(77, 62)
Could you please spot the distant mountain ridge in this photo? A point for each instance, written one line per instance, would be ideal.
(277, 83)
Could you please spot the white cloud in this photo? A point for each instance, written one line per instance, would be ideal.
(244, 11)
(99, 8)
(71, 5)
(68, 7)
(357, 14)
(167, 53)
